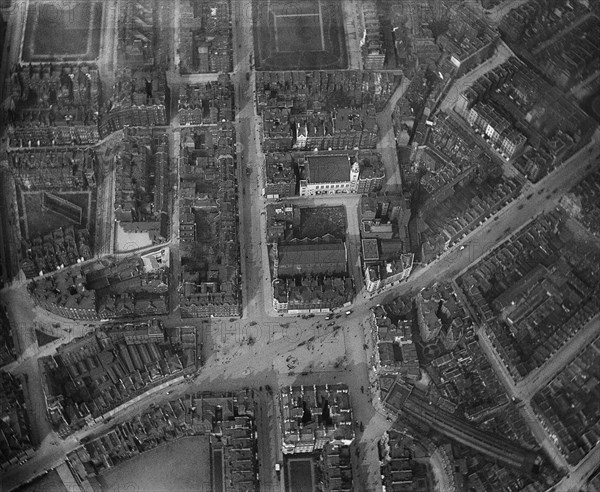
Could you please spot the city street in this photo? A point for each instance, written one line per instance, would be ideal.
(525, 389)
(256, 279)
(266, 350)
(15, 16)
(107, 58)
(574, 481)
(502, 53)
(234, 364)
(9, 225)
(539, 378)
(386, 145)
(541, 198)
(353, 34)
(175, 260)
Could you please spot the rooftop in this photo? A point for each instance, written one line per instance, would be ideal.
(329, 168)
(370, 249)
(315, 257)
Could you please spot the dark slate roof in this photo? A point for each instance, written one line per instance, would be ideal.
(328, 168)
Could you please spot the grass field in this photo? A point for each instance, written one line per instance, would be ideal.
(304, 31)
(54, 33)
(179, 466)
(303, 35)
(300, 473)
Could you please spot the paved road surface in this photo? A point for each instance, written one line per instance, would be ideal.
(256, 363)
(539, 378)
(496, 14)
(235, 366)
(501, 54)
(387, 143)
(255, 277)
(543, 197)
(576, 479)
(353, 33)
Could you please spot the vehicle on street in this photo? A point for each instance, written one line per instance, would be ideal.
(348, 313)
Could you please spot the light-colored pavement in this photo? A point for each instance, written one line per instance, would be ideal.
(542, 437)
(496, 14)
(256, 286)
(387, 139)
(199, 78)
(23, 321)
(540, 377)
(233, 363)
(14, 16)
(556, 38)
(501, 54)
(352, 11)
(577, 478)
(20, 310)
(174, 241)
(254, 368)
(524, 406)
(437, 465)
(586, 87)
(107, 58)
(541, 198)
(524, 390)
(9, 225)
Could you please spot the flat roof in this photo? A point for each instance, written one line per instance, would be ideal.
(391, 248)
(370, 249)
(328, 168)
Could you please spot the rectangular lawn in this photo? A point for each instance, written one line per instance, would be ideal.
(300, 472)
(62, 31)
(298, 31)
